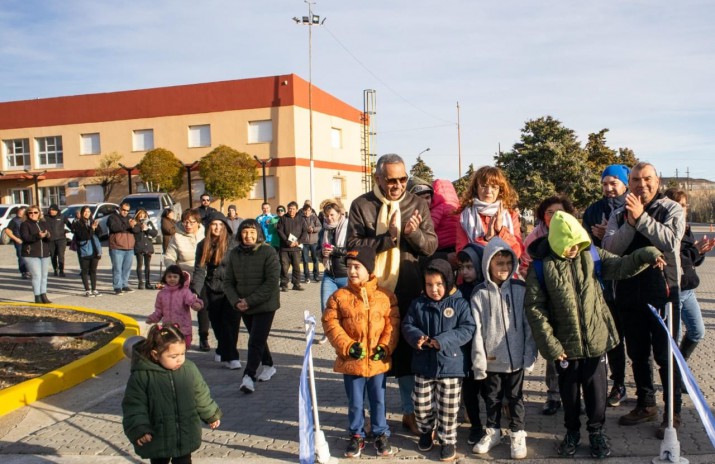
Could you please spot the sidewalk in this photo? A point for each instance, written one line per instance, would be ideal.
(263, 427)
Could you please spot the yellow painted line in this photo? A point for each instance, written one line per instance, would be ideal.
(72, 374)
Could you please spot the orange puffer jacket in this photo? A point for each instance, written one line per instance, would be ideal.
(366, 314)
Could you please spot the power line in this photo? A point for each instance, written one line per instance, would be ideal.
(416, 128)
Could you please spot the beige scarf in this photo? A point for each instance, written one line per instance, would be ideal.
(387, 263)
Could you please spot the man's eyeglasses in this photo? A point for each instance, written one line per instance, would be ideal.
(191, 222)
(396, 180)
(205, 199)
(125, 210)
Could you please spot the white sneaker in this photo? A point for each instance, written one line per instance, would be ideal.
(247, 385)
(96, 293)
(267, 373)
(491, 438)
(217, 358)
(518, 444)
(235, 364)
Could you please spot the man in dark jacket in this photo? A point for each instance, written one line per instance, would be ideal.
(58, 242)
(292, 230)
(648, 218)
(205, 209)
(13, 231)
(121, 247)
(310, 245)
(614, 183)
(398, 226)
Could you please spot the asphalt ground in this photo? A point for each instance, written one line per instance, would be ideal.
(83, 424)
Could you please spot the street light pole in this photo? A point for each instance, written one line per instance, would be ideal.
(129, 174)
(423, 151)
(34, 176)
(263, 165)
(189, 167)
(310, 21)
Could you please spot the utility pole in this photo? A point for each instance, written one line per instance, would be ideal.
(459, 145)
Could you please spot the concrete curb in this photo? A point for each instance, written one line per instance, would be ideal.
(74, 373)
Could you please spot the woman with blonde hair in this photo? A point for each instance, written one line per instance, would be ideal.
(487, 211)
(36, 251)
(144, 247)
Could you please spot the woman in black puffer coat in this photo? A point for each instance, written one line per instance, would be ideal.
(144, 247)
(36, 251)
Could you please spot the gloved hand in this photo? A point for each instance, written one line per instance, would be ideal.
(356, 351)
(380, 353)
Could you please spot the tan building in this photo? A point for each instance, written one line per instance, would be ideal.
(64, 139)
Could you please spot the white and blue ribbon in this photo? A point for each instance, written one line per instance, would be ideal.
(305, 405)
(696, 395)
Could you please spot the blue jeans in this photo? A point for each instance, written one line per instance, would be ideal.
(121, 267)
(310, 253)
(38, 267)
(406, 383)
(691, 316)
(21, 265)
(328, 286)
(355, 387)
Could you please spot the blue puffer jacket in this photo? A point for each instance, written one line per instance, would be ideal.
(449, 321)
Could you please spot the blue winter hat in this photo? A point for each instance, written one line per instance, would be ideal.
(619, 171)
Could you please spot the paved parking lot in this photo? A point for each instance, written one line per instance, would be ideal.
(263, 427)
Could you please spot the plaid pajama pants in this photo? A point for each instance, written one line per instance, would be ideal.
(436, 405)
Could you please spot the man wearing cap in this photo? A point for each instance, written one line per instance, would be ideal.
(398, 226)
(58, 242)
(614, 184)
(648, 218)
(233, 220)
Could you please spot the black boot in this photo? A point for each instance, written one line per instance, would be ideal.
(62, 271)
(148, 286)
(38, 299)
(687, 346)
(45, 299)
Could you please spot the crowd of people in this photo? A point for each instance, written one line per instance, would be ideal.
(444, 293)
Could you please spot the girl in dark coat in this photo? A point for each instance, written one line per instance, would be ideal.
(144, 247)
(36, 251)
(89, 250)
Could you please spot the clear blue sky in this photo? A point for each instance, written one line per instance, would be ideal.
(645, 69)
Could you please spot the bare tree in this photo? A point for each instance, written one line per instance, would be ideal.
(109, 173)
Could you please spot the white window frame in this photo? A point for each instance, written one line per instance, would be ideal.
(200, 136)
(142, 139)
(90, 144)
(257, 190)
(53, 195)
(336, 138)
(338, 187)
(49, 151)
(260, 131)
(12, 154)
(22, 196)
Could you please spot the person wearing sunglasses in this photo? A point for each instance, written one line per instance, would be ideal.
(396, 224)
(36, 251)
(122, 228)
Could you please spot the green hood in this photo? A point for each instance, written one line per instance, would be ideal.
(564, 232)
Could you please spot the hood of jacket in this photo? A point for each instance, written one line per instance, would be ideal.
(445, 269)
(493, 247)
(444, 192)
(219, 216)
(564, 232)
(475, 253)
(187, 283)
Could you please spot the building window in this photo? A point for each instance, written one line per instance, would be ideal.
(52, 196)
(200, 136)
(143, 140)
(260, 131)
(89, 144)
(339, 187)
(17, 154)
(49, 151)
(257, 192)
(336, 137)
(21, 196)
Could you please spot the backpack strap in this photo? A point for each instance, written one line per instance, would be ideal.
(596, 263)
(538, 265)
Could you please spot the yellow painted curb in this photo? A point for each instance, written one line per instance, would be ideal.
(74, 373)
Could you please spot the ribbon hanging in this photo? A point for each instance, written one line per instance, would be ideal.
(305, 406)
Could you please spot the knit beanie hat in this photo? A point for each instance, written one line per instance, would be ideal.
(619, 171)
(365, 255)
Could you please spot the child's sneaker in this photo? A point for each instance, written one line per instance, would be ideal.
(599, 445)
(491, 438)
(426, 441)
(568, 445)
(235, 364)
(266, 373)
(617, 396)
(518, 444)
(355, 446)
(382, 445)
(247, 385)
(447, 452)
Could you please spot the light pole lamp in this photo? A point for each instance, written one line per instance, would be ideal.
(310, 21)
(263, 165)
(423, 151)
(34, 176)
(189, 167)
(129, 174)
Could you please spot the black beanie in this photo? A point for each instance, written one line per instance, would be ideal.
(365, 255)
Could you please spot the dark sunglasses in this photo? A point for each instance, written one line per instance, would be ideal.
(397, 180)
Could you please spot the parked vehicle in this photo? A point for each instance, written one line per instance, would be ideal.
(7, 212)
(154, 203)
(100, 212)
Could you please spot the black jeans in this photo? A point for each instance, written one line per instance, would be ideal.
(20, 259)
(57, 254)
(471, 390)
(590, 375)
(259, 327)
(225, 322)
(88, 271)
(509, 385)
(310, 253)
(177, 460)
(643, 334)
(144, 261)
(288, 259)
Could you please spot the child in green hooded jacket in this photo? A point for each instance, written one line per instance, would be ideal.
(571, 323)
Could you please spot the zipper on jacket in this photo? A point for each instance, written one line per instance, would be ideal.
(581, 315)
(366, 303)
(506, 332)
(176, 405)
